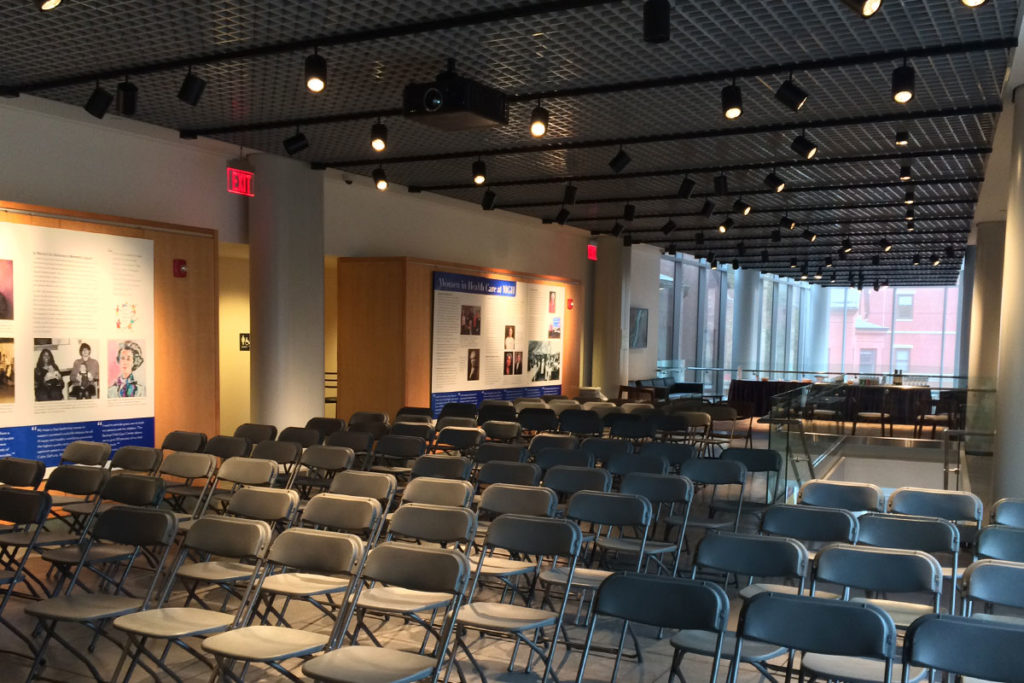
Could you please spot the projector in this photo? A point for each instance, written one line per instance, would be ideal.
(455, 103)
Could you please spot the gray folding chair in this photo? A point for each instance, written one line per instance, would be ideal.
(377, 485)
(994, 582)
(324, 426)
(254, 433)
(845, 495)
(303, 436)
(437, 491)
(237, 473)
(225, 447)
(1001, 543)
(572, 457)
(318, 465)
(511, 499)
(91, 453)
(580, 422)
(454, 421)
(960, 507)
(25, 512)
(422, 430)
(663, 602)
(1006, 512)
(21, 473)
(361, 443)
(757, 461)
(138, 459)
(441, 467)
(505, 452)
(604, 450)
(504, 431)
(675, 453)
(981, 650)
(565, 480)
(276, 507)
(458, 440)
(190, 468)
(500, 472)
(285, 453)
(622, 465)
(713, 473)
(550, 440)
(811, 525)
(189, 442)
(392, 454)
(671, 496)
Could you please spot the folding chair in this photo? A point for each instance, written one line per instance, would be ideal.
(454, 421)
(254, 433)
(665, 492)
(80, 485)
(604, 450)
(392, 454)
(90, 453)
(123, 529)
(560, 405)
(964, 646)
(845, 495)
(511, 499)
(723, 428)
(458, 410)
(422, 430)
(303, 436)
(637, 428)
(548, 440)
(414, 414)
(994, 582)
(361, 444)
(505, 431)
(366, 417)
(572, 457)
(435, 491)
(137, 459)
(505, 452)
(500, 472)
(580, 423)
(237, 473)
(535, 420)
(190, 468)
(225, 447)
(188, 442)
(565, 480)
(441, 467)
(960, 507)
(1006, 512)
(377, 485)
(318, 465)
(622, 465)
(675, 453)
(276, 507)
(324, 426)
(663, 602)
(764, 461)
(284, 453)
(713, 473)
(1001, 543)
(25, 512)
(496, 413)
(21, 473)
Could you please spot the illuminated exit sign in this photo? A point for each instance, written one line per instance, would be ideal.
(240, 181)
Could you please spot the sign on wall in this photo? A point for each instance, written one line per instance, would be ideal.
(76, 340)
(495, 339)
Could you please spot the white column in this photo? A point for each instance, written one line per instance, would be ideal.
(286, 274)
(986, 302)
(1008, 470)
(611, 315)
(746, 321)
(814, 332)
(963, 338)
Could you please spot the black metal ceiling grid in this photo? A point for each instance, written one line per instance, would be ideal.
(558, 47)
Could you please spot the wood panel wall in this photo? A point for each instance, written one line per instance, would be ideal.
(385, 320)
(185, 315)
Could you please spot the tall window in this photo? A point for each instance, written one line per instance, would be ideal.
(868, 361)
(905, 306)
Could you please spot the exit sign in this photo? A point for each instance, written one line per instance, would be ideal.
(240, 182)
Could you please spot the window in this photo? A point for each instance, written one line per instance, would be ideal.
(904, 306)
(868, 360)
(901, 359)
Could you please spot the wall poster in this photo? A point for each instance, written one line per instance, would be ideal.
(76, 340)
(494, 339)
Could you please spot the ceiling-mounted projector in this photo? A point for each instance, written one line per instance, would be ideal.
(455, 103)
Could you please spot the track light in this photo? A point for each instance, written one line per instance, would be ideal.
(847, 246)
(774, 182)
(721, 184)
(379, 137)
(725, 225)
(803, 272)
(487, 203)
(876, 286)
(657, 23)
(99, 101)
(909, 197)
(876, 260)
(917, 259)
(714, 263)
(741, 248)
(619, 161)
(902, 138)
(828, 262)
(903, 83)
(538, 121)
(708, 208)
(563, 216)
(127, 98)
(669, 227)
(776, 236)
(316, 72)
(934, 258)
(617, 229)
(787, 222)
(627, 240)
(818, 274)
(809, 236)
(670, 250)
(792, 263)
(886, 245)
(864, 8)
(803, 146)
(950, 253)
(192, 87)
(296, 143)
(47, 5)
(479, 172)
(910, 213)
(686, 188)
(741, 207)
(735, 264)
(628, 212)
(699, 239)
(905, 173)
(791, 95)
(380, 178)
(764, 256)
(832, 277)
(966, 3)
(569, 195)
(732, 101)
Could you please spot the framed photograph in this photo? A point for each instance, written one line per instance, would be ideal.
(638, 328)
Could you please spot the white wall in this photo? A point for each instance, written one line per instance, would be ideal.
(644, 274)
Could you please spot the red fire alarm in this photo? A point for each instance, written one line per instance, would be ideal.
(570, 304)
(180, 267)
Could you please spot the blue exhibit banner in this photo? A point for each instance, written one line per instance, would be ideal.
(437, 401)
(47, 442)
(470, 284)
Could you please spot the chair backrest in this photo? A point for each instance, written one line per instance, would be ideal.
(338, 512)
(1009, 512)
(580, 421)
(454, 421)
(417, 567)
(879, 569)
(141, 459)
(500, 452)
(907, 532)
(442, 466)
(359, 442)
(188, 465)
(77, 480)
(566, 479)
(434, 523)
(190, 442)
(754, 556)
(459, 438)
(403, 447)
(850, 496)
(604, 450)
(637, 408)
(225, 447)
(979, 649)
(136, 526)
(228, 537)
(248, 471)
(21, 472)
(435, 491)
(261, 502)
(633, 425)
(422, 430)
(547, 458)
(755, 459)
(560, 405)
(502, 413)
(601, 408)
(714, 471)
(328, 458)
(641, 462)
(660, 489)
(675, 453)
(1001, 543)
(609, 509)
(368, 416)
(500, 499)
(134, 489)
(24, 507)
(500, 472)
(458, 410)
(806, 523)
(375, 430)
(300, 435)
(956, 506)
(994, 581)
(254, 433)
(325, 426)
(537, 536)
(316, 551)
(537, 419)
(502, 430)
(664, 601)
(541, 441)
(376, 485)
(415, 412)
(85, 453)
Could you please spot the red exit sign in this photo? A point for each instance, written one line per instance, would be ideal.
(240, 182)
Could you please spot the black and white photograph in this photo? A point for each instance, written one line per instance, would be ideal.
(517, 364)
(473, 364)
(543, 363)
(6, 370)
(6, 289)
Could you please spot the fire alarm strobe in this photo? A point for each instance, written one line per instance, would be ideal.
(179, 267)
(455, 103)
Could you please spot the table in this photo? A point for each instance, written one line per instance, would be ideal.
(906, 400)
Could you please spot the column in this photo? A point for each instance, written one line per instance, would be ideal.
(286, 273)
(983, 363)
(814, 332)
(1008, 467)
(746, 320)
(611, 315)
(966, 301)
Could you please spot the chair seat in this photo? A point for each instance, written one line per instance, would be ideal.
(217, 571)
(401, 600)
(902, 613)
(679, 520)
(753, 589)
(999, 618)
(265, 643)
(703, 643)
(81, 507)
(824, 414)
(493, 616)
(853, 669)
(503, 566)
(59, 500)
(174, 622)
(935, 419)
(185, 491)
(300, 584)
(97, 553)
(84, 607)
(21, 539)
(868, 417)
(632, 545)
(366, 664)
(582, 577)
(397, 471)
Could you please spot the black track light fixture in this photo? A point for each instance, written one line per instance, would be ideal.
(910, 213)
(818, 274)
(724, 226)
(569, 195)
(832, 277)
(539, 121)
(707, 209)
(380, 178)
(950, 253)
(908, 198)
(627, 240)
(315, 72)
(809, 235)
(741, 207)
(792, 263)
(864, 8)
(378, 136)
(764, 256)
(99, 101)
(735, 264)
(847, 246)
(776, 236)
(905, 173)
(732, 101)
(479, 172)
(828, 262)
(917, 259)
(876, 260)
(885, 245)
(563, 216)
(487, 203)
(721, 185)
(628, 212)
(657, 21)
(670, 250)
(902, 138)
(935, 259)
(804, 274)
(774, 182)
(619, 161)
(617, 229)
(791, 94)
(296, 143)
(876, 286)
(803, 146)
(686, 188)
(787, 222)
(127, 102)
(972, 3)
(699, 239)
(712, 261)
(903, 83)
(191, 89)
(669, 227)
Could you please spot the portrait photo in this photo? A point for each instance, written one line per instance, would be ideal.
(472, 365)
(552, 301)
(507, 368)
(48, 379)
(6, 289)
(6, 370)
(84, 378)
(555, 328)
(517, 364)
(470, 320)
(510, 337)
(126, 369)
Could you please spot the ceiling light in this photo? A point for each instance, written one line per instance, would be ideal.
(917, 259)
(741, 207)
(617, 229)
(803, 272)
(792, 263)
(98, 102)
(296, 143)
(563, 216)
(487, 203)
(864, 8)
(832, 277)
(538, 121)
(950, 253)
(791, 95)
(828, 262)
(886, 245)
(479, 172)
(657, 24)
(379, 137)
(875, 286)
(669, 227)
(192, 87)
(721, 184)
(774, 182)
(686, 188)
(909, 197)
(910, 213)
(732, 101)
(714, 264)
(776, 236)
(708, 208)
(47, 5)
(627, 240)
(380, 178)
(847, 246)
(902, 138)
(735, 264)
(764, 256)
(903, 83)
(569, 195)
(127, 98)
(804, 147)
(628, 212)
(967, 3)
(787, 222)
(818, 274)
(619, 161)
(725, 225)
(934, 258)
(808, 235)
(699, 238)
(905, 173)
(316, 72)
